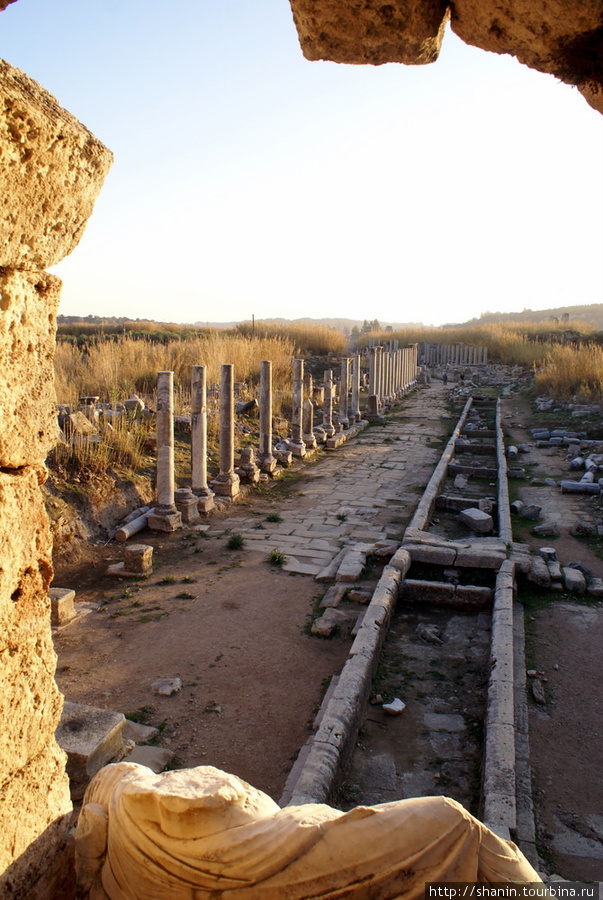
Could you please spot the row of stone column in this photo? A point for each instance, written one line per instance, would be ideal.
(392, 371)
(185, 503)
(452, 354)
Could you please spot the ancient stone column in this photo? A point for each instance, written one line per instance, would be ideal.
(226, 484)
(372, 372)
(296, 444)
(199, 439)
(52, 171)
(355, 408)
(265, 459)
(308, 436)
(327, 407)
(344, 419)
(165, 516)
(379, 373)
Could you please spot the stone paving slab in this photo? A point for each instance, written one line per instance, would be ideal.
(372, 480)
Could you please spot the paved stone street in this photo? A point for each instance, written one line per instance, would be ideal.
(365, 491)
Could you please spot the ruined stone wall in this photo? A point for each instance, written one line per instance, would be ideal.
(51, 169)
(553, 36)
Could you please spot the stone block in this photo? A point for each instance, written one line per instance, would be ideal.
(401, 560)
(351, 567)
(53, 169)
(187, 505)
(326, 624)
(167, 522)
(477, 520)
(539, 573)
(475, 557)
(574, 580)
(62, 609)
(333, 596)
(139, 733)
(154, 758)
(91, 738)
(431, 553)
(28, 305)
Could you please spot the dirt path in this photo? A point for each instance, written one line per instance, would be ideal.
(232, 627)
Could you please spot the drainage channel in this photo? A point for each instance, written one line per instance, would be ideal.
(439, 636)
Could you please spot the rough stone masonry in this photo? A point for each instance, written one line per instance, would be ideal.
(52, 170)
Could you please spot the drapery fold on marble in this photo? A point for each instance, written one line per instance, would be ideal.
(201, 833)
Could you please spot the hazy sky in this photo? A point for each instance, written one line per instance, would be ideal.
(250, 181)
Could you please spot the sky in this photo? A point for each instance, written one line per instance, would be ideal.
(249, 181)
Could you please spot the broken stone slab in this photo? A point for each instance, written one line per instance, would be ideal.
(360, 596)
(476, 557)
(441, 555)
(395, 708)
(539, 573)
(62, 608)
(574, 580)
(547, 529)
(444, 722)
(554, 568)
(326, 624)
(460, 482)
(154, 758)
(166, 686)
(351, 566)
(333, 596)
(595, 587)
(537, 691)
(478, 521)
(139, 733)
(583, 529)
(330, 570)
(91, 738)
(384, 549)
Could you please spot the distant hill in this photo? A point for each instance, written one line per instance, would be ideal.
(591, 313)
(343, 325)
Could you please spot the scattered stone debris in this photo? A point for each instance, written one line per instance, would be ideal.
(429, 633)
(167, 686)
(394, 708)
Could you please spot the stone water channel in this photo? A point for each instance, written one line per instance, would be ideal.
(443, 635)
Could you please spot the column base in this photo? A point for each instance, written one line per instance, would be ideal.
(266, 464)
(205, 499)
(310, 442)
(226, 485)
(298, 449)
(186, 504)
(164, 521)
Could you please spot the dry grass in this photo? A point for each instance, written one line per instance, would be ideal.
(311, 340)
(113, 370)
(570, 372)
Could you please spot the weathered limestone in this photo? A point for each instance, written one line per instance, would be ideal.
(296, 444)
(265, 460)
(308, 435)
(226, 484)
(91, 737)
(558, 38)
(199, 484)
(61, 605)
(327, 407)
(165, 516)
(138, 561)
(52, 170)
(355, 405)
(344, 388)
(187, 505)
(247, 469)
